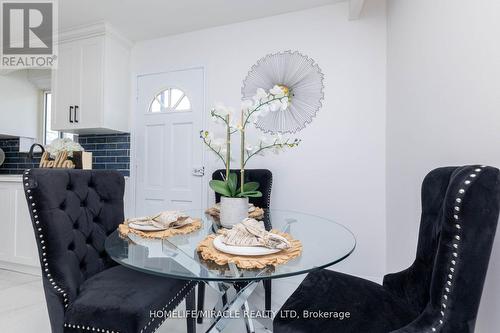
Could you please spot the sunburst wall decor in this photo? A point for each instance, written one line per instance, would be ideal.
(300, 77)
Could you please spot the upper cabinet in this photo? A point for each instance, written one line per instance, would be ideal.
(91, 85)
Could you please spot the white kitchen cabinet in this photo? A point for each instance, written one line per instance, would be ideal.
(18, 250)
(91, 86)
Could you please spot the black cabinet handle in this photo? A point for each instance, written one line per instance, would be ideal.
(70, 114)
(76, 112)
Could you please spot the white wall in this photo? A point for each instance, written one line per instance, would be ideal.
(339, 169)
(443, 108)
(20, 103)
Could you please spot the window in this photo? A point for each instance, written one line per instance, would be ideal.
(171, 99)
(49, 134)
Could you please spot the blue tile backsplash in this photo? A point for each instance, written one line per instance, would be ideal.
(109, 151)
(15, 162)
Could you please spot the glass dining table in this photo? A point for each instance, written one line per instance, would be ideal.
(324, 243)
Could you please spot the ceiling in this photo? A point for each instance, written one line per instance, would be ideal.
(148, 19)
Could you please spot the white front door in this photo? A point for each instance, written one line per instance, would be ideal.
(169, 117)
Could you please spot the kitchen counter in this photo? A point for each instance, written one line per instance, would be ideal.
(11, 178)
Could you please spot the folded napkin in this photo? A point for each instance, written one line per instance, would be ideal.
(163, 220)
(251, 232)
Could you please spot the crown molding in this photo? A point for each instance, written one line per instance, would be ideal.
(96, 29)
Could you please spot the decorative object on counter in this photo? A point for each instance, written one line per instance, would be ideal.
(207, 251)
(62, 145)
(160, 226)
(253, 212)
(302, 81)
(2, 156)
(61, 161)
(82, 160)
(233, 211)
(61, 150)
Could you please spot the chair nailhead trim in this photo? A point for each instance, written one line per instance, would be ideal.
(457, 238)
(166, 306)
(45, 264)
(88, 328)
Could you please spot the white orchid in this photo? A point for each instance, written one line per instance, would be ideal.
(261, 95)
(251, 111)
(250, 148)
(284, 105)
(275, 106)
(63, 145)
(277, 91)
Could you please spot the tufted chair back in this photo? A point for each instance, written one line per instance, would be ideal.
(73, 211)
(263, 176)
(460, 208)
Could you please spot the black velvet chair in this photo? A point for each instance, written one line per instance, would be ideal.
(73, 211)
(265, 178)
(440, 292)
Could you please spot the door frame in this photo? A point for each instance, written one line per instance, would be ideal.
(133, 137)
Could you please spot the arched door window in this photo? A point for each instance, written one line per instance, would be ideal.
(170, 100)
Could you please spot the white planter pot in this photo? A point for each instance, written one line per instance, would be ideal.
(233, 211)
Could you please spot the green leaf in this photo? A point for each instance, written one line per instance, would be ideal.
(220, 187)
(250, 187)
(250, 194)
(232, 183)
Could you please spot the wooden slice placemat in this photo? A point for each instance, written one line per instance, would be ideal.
(124, 230)
(207, 251)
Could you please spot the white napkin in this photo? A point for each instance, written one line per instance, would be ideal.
(251, 232)
(163, 220)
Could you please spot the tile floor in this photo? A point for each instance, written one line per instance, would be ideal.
(23, 309)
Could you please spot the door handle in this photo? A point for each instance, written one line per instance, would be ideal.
(70, 114)
(198, 171)
(76, 112)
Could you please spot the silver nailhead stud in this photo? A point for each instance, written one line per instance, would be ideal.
(457, 237)
(448, 282)
(455, 217)
(440, 321)
(458, 226)
(459, 200)
(473, 175)
(450, 276)
(453, 262)
(455, 246)
(461, 191)
(447, 289)
(457, 208)
(467, 182)
(455, 254)
(478, 170)
(26, 184)
(452, 269)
